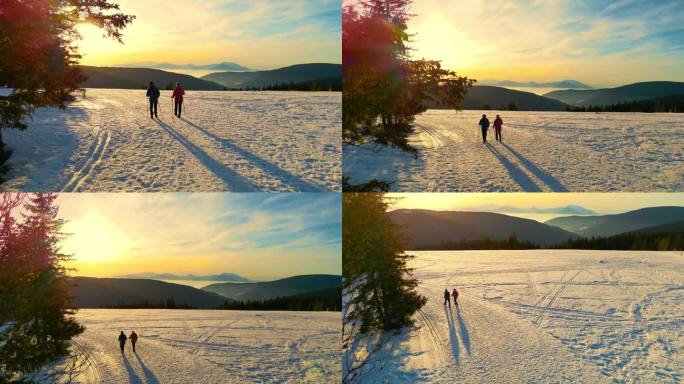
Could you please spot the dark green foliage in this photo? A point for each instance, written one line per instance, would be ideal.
(511, 242)
(383, 88)
(328, 300)
(630, 241)
(674, 104)
(374, 185)
(382, 290)
(39, 58)
(34, 299)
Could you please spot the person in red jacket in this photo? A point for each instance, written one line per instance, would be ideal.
(497, 127)
(178, 97)
(455, 295)
(133, 338)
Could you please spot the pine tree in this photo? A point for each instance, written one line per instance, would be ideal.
(39, 59)
(374, 265)
(40, 308)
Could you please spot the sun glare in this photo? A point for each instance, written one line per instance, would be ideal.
(95, 238)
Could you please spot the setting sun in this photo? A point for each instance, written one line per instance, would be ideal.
(95, 238)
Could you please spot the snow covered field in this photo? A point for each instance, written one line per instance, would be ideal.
(226, 141)
(545, 316)
(196, 346)
(541, 151)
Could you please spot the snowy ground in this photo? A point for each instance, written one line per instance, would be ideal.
(541, 151)
(226, 141)
(545, 317)
(198, 346)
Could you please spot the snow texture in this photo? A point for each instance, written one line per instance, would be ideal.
(226, 141)
(200, 346)
(544, 316)
(541, 151)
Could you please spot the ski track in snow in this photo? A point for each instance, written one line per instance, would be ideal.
(541, 151)
(548, 316)
(197, 346)
(226, 141)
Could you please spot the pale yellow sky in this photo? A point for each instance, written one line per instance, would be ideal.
(599, 42)
(256, 235)
(548, 205)
(257, 34)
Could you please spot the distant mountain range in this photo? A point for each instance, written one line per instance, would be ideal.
(568, 84)
(225, 66)
(290, 286)
(139, 78)
(292, 74)
(606, 225)
(632, 92)
(490, 97)
(227, 277)
(91, 292)
(427, 228)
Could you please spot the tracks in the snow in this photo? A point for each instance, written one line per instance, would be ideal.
(541, 310)
(93, 158)
(438, 348)
(94, 375)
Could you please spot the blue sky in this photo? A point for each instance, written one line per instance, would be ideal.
(258, 34)
(257, 235)
(597, 42)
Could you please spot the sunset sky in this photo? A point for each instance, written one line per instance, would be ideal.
(599, 42)
(537, 206)
(259, 34)
(259, 236)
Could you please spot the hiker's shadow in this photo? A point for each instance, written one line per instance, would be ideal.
(452, 335)
(549, 180)
(268, 167)
(516, 173)
(149, 375)
(232, 179)
(463, 330)
(133, 377)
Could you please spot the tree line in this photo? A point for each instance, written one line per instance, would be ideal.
(629, 241)
(671, 104)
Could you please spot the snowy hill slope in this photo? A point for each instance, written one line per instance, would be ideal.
(226, 141)
(544, 317)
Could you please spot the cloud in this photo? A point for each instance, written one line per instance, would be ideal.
(599, 42)
(207, 233)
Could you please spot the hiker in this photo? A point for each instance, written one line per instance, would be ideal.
(133, 337)
(446, 298)
(153, 94)
(178, 96)
(497, 127)
(122, 341)
(484, 124)
(455, 295)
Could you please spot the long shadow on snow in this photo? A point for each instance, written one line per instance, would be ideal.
(463, 330)
(549, 180)
(133, 377)
(149, 375)
(516, 173)
(270, 168)
(234, 181)
(452, 335)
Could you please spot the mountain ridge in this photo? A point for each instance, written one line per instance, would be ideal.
(613, 224)
(626, 93)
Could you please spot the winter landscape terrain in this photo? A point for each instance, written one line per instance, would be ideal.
(226, 141)
(541, 151)
(210, 346)
(544, 316)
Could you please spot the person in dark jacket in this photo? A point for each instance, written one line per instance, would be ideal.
(133, 338)
(446, 298)
(484, 125)
(122, 342)
(178, 100)
(498, 123)
(153, 93)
